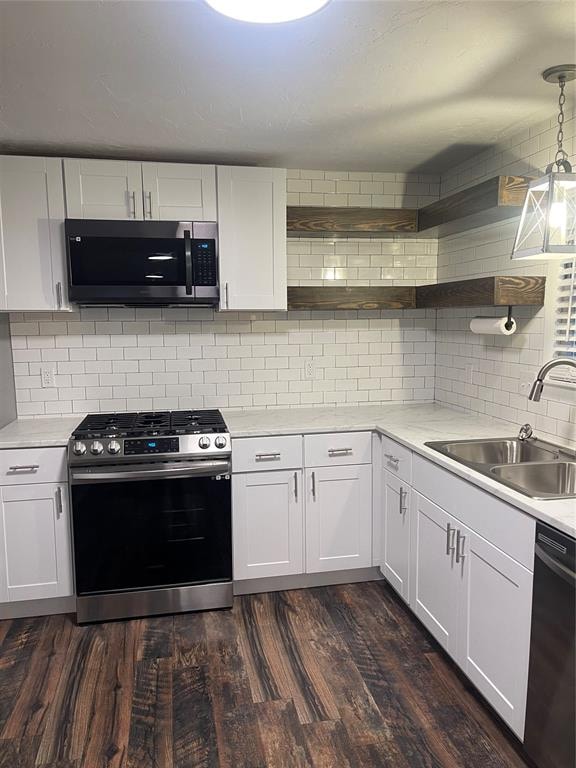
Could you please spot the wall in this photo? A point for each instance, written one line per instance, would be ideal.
(489, 374)
(139, 359)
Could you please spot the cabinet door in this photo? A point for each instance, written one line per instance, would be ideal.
(32, 243)
(252, 238)
(395, 532)
(495, 627)
(338, 518)
(267, 524)
(179, 192)
(434, 581)
(35, 527)
(103, 189)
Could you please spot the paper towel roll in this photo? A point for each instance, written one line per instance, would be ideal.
(492, 325)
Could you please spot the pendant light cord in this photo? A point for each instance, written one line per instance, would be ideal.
(561, 157)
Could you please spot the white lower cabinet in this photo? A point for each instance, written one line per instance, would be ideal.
(477, 602)
(34, 542)
(338, 518)
(395, 533)
(435, 582)
(268, 526)
(495, 616)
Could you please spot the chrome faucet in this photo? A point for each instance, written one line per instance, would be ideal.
(538, 386)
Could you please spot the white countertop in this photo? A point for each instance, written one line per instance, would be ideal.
(412, 425)
(409, 424)
(51, 432)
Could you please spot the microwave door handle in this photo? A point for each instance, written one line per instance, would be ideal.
(188, 256)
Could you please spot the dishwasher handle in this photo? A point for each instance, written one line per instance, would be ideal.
(558, 568)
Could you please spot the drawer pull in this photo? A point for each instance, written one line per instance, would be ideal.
(403, 496)
(314, 485)
(339, 451)
(450, 539)
(24, 468)
(268, 456)
(392, 459)
(460, 539)
(58, 503)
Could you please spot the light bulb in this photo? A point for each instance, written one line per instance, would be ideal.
(267, 11)
(558, 215)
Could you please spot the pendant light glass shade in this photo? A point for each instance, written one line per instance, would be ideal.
(267, 11)
(547, 227)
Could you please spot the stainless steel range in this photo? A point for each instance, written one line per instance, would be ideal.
(151, 509)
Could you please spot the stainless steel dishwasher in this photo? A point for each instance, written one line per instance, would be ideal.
(550, 717)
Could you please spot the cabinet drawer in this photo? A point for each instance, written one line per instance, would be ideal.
(397, 459)
(338, 448)
(33, 465)
(251, 454)
(508, 528)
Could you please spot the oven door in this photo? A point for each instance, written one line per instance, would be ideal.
(151, 526)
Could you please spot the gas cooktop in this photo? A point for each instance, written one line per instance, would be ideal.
(154, 435)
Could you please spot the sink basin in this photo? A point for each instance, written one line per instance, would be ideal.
(501, 451)
(534, 467)
(540, 480)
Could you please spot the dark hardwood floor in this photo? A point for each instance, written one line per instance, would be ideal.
(337, 677)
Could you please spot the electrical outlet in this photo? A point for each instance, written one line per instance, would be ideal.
(48, 376)
(309, 369)
(469, 374)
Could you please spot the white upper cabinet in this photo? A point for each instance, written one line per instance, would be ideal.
(35, 560)
(31, 229)
(252, 238)
(103, 189)
(338, 518)
(179, 192)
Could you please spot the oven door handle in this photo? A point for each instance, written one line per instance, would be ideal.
(145, 472)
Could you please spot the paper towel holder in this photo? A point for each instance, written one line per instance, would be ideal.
(509, 321)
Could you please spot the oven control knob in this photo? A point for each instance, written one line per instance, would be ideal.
(96, 448)
(204, 442)
(79, 449)
(220, 442)
(114, 447)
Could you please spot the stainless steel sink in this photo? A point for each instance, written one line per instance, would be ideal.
(507, 451)
(541, 480)
(534, 467)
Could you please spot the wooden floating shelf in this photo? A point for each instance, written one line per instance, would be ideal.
(350, 297)
(309, 221)
(498, 291)
(491, 201)
(497, 199)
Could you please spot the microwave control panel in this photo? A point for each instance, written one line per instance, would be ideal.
(204, 263)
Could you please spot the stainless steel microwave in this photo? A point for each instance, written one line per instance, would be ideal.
(142, 262)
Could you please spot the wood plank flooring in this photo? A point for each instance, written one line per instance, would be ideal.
(334, 677)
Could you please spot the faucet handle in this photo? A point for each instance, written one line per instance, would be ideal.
(525, 432)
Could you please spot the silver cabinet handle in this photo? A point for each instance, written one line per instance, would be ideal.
(391, 458)
(226, 295)
(59, 507)
(268, 456)
(460, 539)
(403, 495)
(24, 468)
(314, 485)
(132, 196)
(450, 539)
(339, 451)
(59, 295)
(296, 486)
(149, 198)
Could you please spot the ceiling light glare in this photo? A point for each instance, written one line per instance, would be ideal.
(267, 11)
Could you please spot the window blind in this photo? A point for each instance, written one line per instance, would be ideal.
(564, 340)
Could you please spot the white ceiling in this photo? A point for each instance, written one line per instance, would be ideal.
(377, 85)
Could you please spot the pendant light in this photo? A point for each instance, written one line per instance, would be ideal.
(547, 228)
(267, 11)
